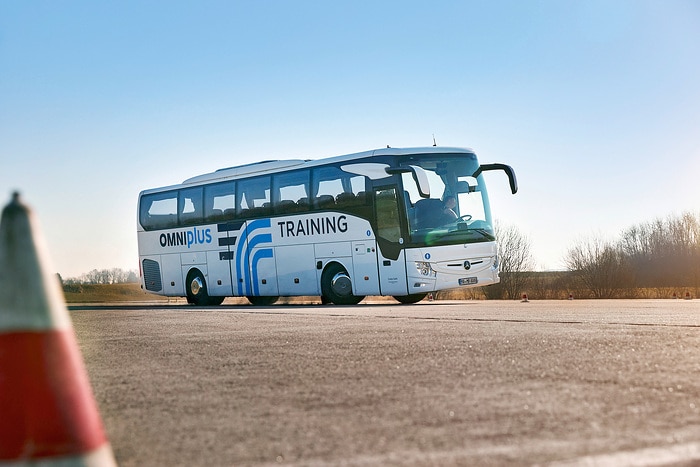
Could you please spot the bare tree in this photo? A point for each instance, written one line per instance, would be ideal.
(600, 266)
(665, 253)
(515, 258)
(106, 276)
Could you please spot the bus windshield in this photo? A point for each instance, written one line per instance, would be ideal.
(457, 210)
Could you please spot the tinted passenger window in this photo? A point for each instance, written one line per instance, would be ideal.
(335, 188)
(291, 192)
(219, 202)
(191, 206)
(159, 211)
(254, 197)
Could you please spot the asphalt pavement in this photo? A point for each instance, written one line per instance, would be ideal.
(436, 383)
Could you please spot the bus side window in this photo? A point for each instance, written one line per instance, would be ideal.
(190, 206)
(337, 189)
(219, 202)
(159, 211)
(253, 198)
(288, 189)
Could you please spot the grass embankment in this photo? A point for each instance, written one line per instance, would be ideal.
(111, 293)
(96, 293)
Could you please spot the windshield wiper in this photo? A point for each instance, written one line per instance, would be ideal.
(461, 227)
(485, 233)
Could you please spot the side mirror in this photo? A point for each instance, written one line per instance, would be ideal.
(419, 175)
(506, 168)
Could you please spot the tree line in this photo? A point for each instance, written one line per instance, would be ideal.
(103, 276)
(652, 259)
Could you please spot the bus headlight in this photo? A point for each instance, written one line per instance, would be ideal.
(425, 269)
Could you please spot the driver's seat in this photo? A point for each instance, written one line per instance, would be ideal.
(428, 213)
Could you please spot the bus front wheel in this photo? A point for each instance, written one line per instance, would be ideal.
(409, 299)
(336, 286)
(197, 290)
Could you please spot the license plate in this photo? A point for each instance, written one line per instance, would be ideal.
(468, 281)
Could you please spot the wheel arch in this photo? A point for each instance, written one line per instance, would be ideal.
(335, 278)
(336, 261)
(200, 296)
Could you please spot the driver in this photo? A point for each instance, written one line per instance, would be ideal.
(448, 204)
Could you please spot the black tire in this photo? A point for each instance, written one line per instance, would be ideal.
(336, 286)
(262, 301)
(214, 301)
(197, 290)
(409, 299)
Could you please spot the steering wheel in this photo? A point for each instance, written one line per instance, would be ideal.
(465, 218)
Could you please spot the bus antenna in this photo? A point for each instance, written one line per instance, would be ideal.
(434, 143)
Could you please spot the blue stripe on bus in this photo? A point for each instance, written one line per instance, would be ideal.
(260, 254)
(255, 241)
(243, 257)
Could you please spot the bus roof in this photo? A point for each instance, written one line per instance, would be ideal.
(272, 166)
(246, 169)
(276, 165)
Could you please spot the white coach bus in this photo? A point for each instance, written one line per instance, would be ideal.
(398, 222)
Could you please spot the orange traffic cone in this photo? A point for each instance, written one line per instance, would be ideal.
(48, 415)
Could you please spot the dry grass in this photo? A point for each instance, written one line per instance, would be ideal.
(95, 293)
(101, 293)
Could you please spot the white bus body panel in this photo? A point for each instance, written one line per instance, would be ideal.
(296, 270)
(171, 269)
(364, 262)
(219, 275)
(259, 257)
(392, 275)
(449, 270)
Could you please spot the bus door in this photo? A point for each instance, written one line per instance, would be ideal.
(391, 260)
(253, 264)
(219, 258)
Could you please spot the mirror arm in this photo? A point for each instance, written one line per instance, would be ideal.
(412, 171)
(506, 168)
(397, 170)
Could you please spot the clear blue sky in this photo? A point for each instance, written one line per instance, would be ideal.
(596, 104)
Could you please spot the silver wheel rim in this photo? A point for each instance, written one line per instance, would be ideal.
(341, 284)
(196, 285)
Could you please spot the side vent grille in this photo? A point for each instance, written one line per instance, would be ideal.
(151, 275)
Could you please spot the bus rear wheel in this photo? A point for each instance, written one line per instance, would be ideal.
(409, 299)
(197, 290)
(336, 286)
(262, 301)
